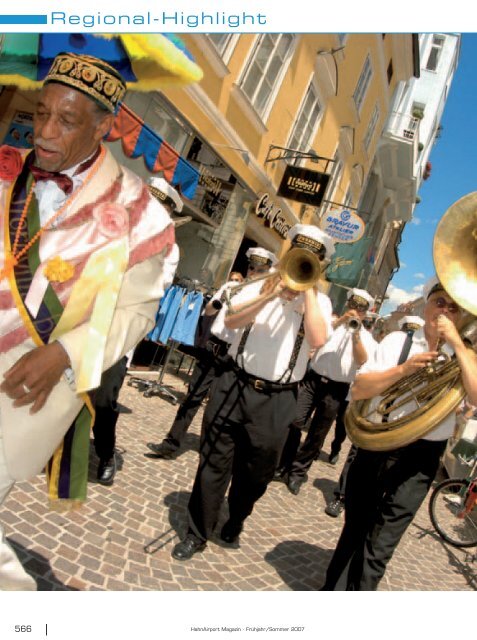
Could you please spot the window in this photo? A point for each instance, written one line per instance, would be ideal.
(371, 126)
(265, 69)
(220, 41)
(435, 53)
(305, 124)
(363, 84)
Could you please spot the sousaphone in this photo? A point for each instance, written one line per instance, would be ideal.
(437, 390)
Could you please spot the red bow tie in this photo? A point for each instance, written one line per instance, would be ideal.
(64, 182)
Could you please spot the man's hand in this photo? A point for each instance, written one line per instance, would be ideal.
(448, 332)
(32, 378)
(418, 361)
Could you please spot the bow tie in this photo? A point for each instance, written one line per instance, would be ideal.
(64, 182)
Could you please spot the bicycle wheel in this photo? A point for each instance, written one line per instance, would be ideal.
(446, 510)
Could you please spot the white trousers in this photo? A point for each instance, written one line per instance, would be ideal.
(13, 576)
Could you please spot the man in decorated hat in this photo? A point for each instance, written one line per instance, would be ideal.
(384, 489)
(81, 272)
(253, 401)
(210, 354)
(323, 393)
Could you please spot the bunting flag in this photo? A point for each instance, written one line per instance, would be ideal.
(140, 140)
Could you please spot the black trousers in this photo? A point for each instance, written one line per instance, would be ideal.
(106, 408)
(243, 433)
(340, 430)
(384, 490)
(326, 398)
(340, 490)
(201, 379)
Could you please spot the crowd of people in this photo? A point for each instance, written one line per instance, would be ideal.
(88, 250)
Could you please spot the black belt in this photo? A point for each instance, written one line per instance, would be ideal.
(263, 385)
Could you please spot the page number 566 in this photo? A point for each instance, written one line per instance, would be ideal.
(22, 628)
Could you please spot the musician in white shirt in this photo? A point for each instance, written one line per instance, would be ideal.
(253, 402)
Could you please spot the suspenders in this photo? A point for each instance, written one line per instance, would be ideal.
(294, 354)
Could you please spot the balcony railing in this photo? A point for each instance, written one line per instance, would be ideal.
(403, 125)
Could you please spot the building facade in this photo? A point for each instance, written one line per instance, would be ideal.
(266, 101)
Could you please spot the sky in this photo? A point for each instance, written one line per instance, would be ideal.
(453, 175)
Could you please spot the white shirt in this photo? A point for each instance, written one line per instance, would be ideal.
(387, 356)
(335, 358)
(51, 198)
(218, 328)
(271, 340)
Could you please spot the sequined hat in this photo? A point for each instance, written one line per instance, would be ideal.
(311, 237)
(412, 323)
(361, 296)
(92, 76)
(259, 256)
(165, 193)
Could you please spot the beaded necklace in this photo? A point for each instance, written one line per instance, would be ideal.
(12, 257)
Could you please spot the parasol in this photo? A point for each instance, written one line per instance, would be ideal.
(147, 62)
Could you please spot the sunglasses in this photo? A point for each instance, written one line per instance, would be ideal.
(441, 303)
(258, 269)
(358, 307)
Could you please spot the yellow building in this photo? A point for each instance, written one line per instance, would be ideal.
(317, 101)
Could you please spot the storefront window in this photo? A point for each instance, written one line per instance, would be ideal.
(225, 241)
(216, 182)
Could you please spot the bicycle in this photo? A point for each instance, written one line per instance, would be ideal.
(452, 507)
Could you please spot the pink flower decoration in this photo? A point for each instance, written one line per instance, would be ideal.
(10, 163)
(112, 219)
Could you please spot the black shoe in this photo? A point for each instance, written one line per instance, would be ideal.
(185, 549)
(333, 458)
(162, 450)
(106, 470)
(231, 531)
(294, 484)
(279, 475)
(334, 508)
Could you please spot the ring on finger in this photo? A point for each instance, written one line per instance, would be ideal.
(26, 389)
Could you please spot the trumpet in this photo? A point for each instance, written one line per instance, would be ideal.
(354, 325)
(300, 269)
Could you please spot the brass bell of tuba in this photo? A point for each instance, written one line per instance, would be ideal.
(437, 390)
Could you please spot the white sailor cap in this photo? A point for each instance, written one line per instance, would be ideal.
(259, 255)
(312, 237)
(411, 322)
(361, 296)
(431, 286)
(165, 193)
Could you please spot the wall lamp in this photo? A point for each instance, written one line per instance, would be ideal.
(284, 153)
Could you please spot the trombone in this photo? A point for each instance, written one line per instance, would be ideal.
(300, 269)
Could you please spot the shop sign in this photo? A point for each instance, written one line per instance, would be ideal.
(210, 182)
(272, 215)
(303, 185)
(343, 225)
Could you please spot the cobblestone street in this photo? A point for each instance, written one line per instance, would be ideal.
(122, 538)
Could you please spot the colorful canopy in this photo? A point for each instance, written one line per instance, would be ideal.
(148, 62)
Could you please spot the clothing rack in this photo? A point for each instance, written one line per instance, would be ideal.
(157, 387)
